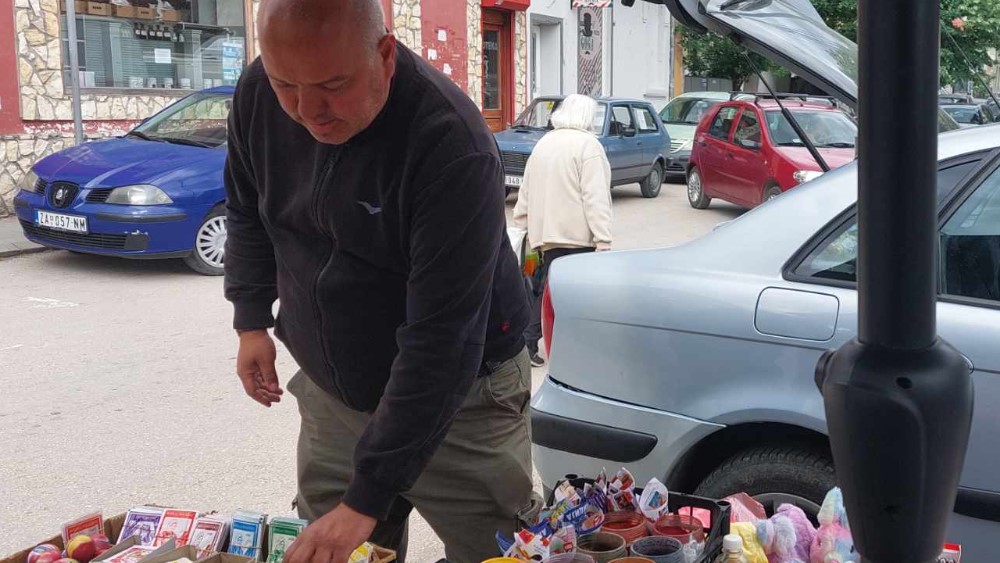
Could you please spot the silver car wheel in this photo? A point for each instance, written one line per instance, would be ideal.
(211, 241)
(694, 186)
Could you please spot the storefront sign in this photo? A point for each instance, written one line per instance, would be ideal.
(590, 36)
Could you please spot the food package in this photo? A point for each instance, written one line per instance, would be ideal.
(653, 502)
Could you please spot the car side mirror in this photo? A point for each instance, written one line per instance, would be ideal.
(749, 144)
(617, 129)
(629, 131)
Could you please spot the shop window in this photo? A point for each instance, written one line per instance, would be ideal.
(180, 45)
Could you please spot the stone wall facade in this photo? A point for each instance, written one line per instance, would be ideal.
(520, 62)
(474, 23)
(406, 24)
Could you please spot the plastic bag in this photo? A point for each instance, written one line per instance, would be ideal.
(518, 238)
(745, 508)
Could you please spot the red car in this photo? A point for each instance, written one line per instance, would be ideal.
(735, 159)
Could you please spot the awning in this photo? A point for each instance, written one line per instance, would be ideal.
(513, 5)
(591, 3)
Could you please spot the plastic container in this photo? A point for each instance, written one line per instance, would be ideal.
(633, 559)
(660, 549)
(718, 510)
(680, 526)
(732, 550)
(503, 560)
(604, 547)
(570, 558)
(629, 525)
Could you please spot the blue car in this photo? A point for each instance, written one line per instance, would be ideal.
(633, 136)
(156, 192)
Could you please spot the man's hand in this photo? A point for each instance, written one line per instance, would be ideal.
(255, 366)
(332, 538)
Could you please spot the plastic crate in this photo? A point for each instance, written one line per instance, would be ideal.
(719, 511)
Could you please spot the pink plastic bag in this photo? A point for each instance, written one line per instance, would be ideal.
(745, 508)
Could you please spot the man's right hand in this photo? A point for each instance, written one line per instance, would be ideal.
(255, 366)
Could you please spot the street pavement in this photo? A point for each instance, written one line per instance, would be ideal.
(118, 386)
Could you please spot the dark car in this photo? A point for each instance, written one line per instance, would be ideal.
(632, 133)
(746, 152)
(969, 115)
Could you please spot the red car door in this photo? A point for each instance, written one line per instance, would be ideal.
(714, 146)
(746, 165)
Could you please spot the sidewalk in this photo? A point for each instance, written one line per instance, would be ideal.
(12, 241)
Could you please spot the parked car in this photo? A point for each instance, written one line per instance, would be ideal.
(636, 141)
(948, 99)
(970, 115)
(746, 152)
(681, 117)
(156, 192)
(695, 364)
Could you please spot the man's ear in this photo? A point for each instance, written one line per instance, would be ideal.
(387, 51)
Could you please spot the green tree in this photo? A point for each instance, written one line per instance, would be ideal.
(718, 57)
(974, 24)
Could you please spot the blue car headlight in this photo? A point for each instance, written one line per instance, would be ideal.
(28, 181)
(142, 194)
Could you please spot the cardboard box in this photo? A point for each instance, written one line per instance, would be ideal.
(98, 9)
(227, 558)
(145, 13)
(171, 545)
(80, 6)
(112, 527)
(189, 551)
(170, 15)
(124, 11)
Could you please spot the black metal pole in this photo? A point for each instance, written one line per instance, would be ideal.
(898, 399)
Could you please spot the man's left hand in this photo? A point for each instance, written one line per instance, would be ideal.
(332, 538)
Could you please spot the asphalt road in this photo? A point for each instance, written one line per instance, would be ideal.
(117, 387)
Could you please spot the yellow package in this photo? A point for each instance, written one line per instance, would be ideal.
(362, 554)
(752, 548)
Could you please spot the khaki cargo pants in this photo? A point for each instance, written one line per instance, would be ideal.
(478, 482)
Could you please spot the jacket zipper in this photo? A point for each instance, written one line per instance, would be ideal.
(317, 196)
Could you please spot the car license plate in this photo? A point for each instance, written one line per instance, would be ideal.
(71, 223)
(514, 181)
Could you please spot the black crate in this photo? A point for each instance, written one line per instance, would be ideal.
(719, 511)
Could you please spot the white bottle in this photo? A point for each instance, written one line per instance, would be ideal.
(732, 550)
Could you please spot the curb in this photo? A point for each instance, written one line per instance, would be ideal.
(14, 252)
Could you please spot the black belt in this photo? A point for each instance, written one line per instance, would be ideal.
(490, 366)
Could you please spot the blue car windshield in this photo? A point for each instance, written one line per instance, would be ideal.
(197, 120)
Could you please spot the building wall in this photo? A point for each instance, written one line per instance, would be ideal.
(638, 49)
(36, 108)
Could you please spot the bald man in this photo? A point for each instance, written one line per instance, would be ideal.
(365, 192)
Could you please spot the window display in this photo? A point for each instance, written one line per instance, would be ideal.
(157, 44)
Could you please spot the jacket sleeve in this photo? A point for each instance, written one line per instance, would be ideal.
(595, 188)
(249, 260)
(457, 229)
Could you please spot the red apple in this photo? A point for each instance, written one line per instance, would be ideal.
(81, 548)
(43, 549)
(102, 543)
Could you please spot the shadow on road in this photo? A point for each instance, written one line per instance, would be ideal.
(94, 264)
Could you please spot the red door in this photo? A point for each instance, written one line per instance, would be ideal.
(498, 75)
(714, 146)
(747, 168)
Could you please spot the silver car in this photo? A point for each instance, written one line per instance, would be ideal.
(695, 364)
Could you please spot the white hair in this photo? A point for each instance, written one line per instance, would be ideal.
(575, 112)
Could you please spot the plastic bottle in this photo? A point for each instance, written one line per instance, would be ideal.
(732, 550)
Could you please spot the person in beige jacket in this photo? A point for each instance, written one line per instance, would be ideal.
(565, 199)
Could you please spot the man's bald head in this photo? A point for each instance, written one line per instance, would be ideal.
(330, 62)
(364, 20)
